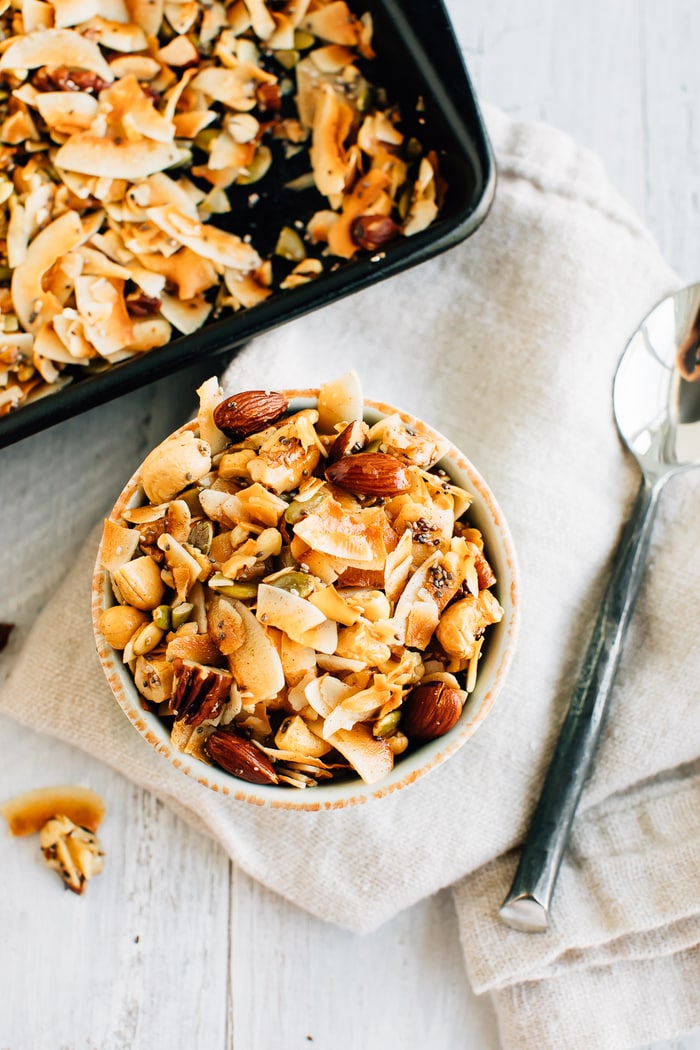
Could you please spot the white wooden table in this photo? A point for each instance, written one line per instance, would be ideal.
(172, 947)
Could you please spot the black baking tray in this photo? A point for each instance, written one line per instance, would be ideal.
(420, 64)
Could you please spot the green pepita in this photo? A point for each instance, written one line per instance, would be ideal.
(386, 725)
(241, 589)
(181, 614)
(290, 245)
(162, 617)
(295, 581)
(201, 535)
(298, 508)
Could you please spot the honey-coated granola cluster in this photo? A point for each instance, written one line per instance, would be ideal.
(136, 139)
(299, 595)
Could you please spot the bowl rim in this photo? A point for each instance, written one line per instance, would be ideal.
(429, 756)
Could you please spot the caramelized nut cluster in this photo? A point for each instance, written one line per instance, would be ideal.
(138, 142)
(299, 595)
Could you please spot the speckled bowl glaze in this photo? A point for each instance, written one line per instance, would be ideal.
(484, 514)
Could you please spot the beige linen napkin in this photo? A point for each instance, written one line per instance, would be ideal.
(507, 344)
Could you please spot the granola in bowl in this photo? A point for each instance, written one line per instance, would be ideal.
(293, 588)
(136, 140)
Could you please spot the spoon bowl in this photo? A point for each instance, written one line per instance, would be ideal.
(656, 405)
(656, 393)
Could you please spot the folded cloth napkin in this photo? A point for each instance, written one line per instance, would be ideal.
(508, 344)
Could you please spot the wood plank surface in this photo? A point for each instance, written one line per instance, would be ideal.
(170, 948)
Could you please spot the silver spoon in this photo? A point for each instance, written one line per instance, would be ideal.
(656, 405)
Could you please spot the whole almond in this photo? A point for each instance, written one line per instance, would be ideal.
(370, 474)
(429, 711)
(251, 410)
(240, 758)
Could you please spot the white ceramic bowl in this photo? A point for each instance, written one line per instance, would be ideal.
(484, 514)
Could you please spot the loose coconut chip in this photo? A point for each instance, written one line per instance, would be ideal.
(27, 813)
(124, 130)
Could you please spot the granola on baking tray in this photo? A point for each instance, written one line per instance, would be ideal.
(299, 595)
(137, 139)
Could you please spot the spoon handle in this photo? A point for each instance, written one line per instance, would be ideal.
(527, 905)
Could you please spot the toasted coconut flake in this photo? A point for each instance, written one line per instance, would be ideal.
(48, 346)
(43, 47)
(116, 36)
(292, 614)
(200, 648)
(180, 51)
(187, 270)
(370, 756)
(210, 394)
(119, 544)
(185, 315)
(339, 401)
(148, 14)
(423, 208)
(126, 103)
(67, 112)
(143, 67)
(189, 125)
(323, 638)
(224, 249)
(333, 606)
(148, 332)
(259, 504)
(298, 661)
(247, 290)
(34, 306)
(261, 20)
(178, 557)
(357, 707)
(88, 154)
(356, 538)
(256, 664)
(234, 88)
(27, 813)
(69, 13)
(182, 16)
(228, 155)
(98, 264)
(36, 15)
(331, 125)
(333, 22)
(18, 232)
(106, 320)
(325, 693)
(225, 625)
